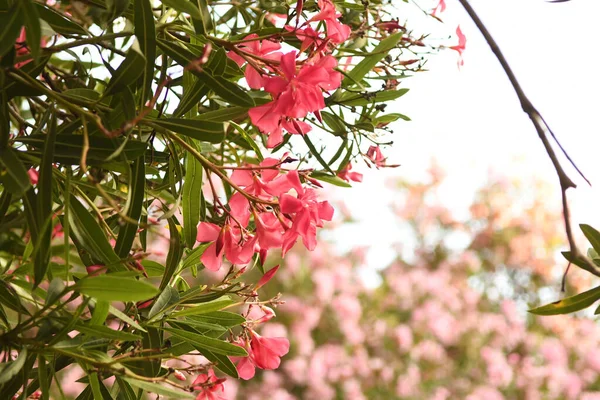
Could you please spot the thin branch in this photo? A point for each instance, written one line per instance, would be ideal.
(542, 128)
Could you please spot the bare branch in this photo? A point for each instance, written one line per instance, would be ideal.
(542, 129)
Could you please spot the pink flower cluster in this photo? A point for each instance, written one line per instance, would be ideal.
(295, 83)
(283, 210)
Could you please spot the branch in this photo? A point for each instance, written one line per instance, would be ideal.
(542, 129)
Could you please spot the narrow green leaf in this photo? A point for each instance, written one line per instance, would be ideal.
(113, 288)
(206, 131)
(133, 207)
(223, 318)
(184, 6)
(224, 114)
(159, 389)
(88, 233)
(168, 297)
(105, 332)
(193, 257)
(33, 29)
(125, 390)
(202, 342)
(175, 253)
(128, 72)
(190, 200)
(95, 385)
(334, 180)
(145, 33)
(123, 317)
(191, 97)
(315, 152)
(204, 308)
(10, 28)
(101, 310)
(227, 90)
(43, 378)
(569, 304)
(371, 60)
(222, 363)
(55, 290)
(592, 235)
(248, 140)
(12, 368)
(351, 99)
(13, 174)
(44, 206)
(58, 22)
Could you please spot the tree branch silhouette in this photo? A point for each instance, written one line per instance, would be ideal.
(543, 130)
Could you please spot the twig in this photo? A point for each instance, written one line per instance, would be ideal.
(542, 128)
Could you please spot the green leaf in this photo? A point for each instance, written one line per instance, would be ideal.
(145, 33)
(10, 28)
(168, 297)
(58, 22)
(224, 114)
(206, 131)
(202, 342)
(174, 255)
(334, 123)
(191, 97)
(128, 72)
(191, 199)
(95, 385)
(315, 152)
(44, 206)
(68, 148)
(105, 332)
(184, 6)
(351, 99)
(10, 369)
(386, 119)
(113, 288)
(101, 310)
(13, 174)
(125, 390)
(193, 257)
(43, 378)
(204, 308)
(569, 304)
(334, 180)
(248, 140)
(223, 318)
(55, 290)
(33, 30)
(81, 94)
(86, 231)
(227, 90)
(133, 207)
(159, 389)
(222, 363)
(592, 235)
(371, 60)
(123, 317)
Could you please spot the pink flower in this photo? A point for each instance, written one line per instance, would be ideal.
(374, 154)
(441, 7)
(267, 352)
(460, 47)
(295, 93)
(33, 176)
(348, 175)
(209, 385)
(230, 240)
(311, 39)
(336, 31)
(261, 48)
(263, 353)
(306, 214)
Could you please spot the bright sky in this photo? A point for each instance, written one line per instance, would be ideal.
(470, 119)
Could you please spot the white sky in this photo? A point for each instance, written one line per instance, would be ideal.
(470, 119)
